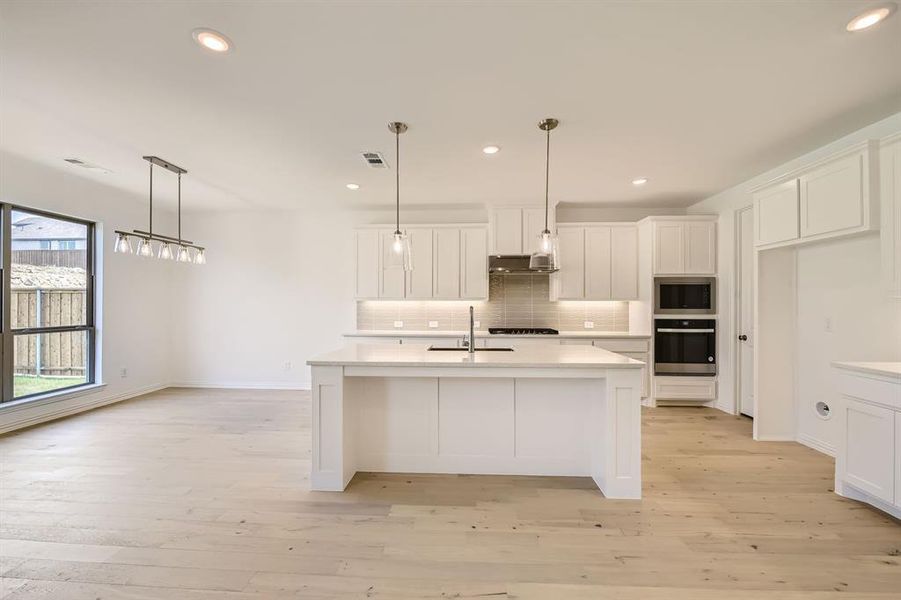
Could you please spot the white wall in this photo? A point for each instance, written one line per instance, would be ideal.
(839, 281)
(277, 289)
(725, 204)
(136, 298)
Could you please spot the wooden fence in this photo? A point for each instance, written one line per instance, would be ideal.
(53, 258)
(61, 354)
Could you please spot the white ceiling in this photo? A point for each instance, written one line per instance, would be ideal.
(697, 95)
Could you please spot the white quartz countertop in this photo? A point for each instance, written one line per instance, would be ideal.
(418, 355)
(890, 369)
(484, 334)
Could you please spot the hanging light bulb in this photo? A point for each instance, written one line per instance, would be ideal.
(184, 256)
(166, 252)
(200, 258)
(123, 244)
(400, 255)
(545, 258)
(145, 248)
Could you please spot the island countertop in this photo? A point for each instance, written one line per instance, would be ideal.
(418, 355)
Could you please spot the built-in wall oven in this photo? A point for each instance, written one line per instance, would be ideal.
(685, 295)
(685, 347)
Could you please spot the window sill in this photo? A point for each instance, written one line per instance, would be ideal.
(52, 397)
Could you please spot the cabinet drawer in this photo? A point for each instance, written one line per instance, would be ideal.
(685, 388)
(622, 345)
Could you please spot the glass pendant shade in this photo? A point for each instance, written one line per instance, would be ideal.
(123, 244)
(200, 258)
(166, 252)
(399, 255)
(184, 256)
(145, 249)
(546, 257)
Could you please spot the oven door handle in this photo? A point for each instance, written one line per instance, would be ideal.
(662, 330)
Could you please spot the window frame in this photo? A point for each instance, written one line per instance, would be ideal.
(8, 333)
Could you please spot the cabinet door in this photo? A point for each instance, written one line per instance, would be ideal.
(367, 263)
(391, 279)
(446, 264)
(571, 276)
(474, 258)
(507, 231)
(532, 226)
(776, 212)
(869, 448)
(419, 280)
(890, 225)
(668, 248)
(898, 459)
(597, 263)
(645, 377)
(832, 197)
(700, 248)
(624, 263)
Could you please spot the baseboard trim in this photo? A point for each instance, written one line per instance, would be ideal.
(305, 386)
(775, 438)
(50, 411)
(819, 446)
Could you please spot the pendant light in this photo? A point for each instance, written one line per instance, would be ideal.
(399, 255)
(171, 248)
(545, 258)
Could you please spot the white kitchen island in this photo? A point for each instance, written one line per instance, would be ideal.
(549, 410)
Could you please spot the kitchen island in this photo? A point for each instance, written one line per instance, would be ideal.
(550, 410)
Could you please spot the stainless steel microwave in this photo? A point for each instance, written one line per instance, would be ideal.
(685, 295)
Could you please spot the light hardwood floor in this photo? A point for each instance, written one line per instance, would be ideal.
(200, 494)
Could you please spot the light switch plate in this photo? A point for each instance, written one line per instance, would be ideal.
(433, 324)
(398, 324)
(589, 324)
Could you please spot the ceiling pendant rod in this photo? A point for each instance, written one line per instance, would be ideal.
(397, 178)
(547, 177)
(151, 199)
(179, 208)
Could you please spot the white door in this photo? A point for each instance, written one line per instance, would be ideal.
(474, 262)
(571, 276)
(624, 263)
(419, 280)
(597, 263)
(391, 279)
(446, 264)
(745, 329)
(700, 248)
(669, 248)
(507, 231)
(532, 226)
(367, 242)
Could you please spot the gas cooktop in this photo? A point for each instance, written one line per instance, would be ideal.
(522, 331)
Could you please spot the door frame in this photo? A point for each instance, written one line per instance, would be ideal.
(736, 304)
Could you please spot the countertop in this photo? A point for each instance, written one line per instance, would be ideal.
(484, 334)
(888, 369)
(418, 355)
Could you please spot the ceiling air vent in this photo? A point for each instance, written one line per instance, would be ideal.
(74, 161)
(86, 165)
(375, 160)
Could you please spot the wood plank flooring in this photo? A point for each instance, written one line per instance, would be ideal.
(202, 494)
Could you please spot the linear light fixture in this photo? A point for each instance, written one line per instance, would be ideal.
(170, 248)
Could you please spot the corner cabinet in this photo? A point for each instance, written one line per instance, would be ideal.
(450, 262)
(598, 261)
(890, 195)
(833, 197)
(515, 230)
(684, 246)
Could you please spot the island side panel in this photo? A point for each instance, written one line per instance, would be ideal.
(332, 465)
(616, 452)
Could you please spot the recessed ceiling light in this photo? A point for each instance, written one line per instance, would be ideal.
(869, 18)
(640, 181)
(353, 186)
(212, 40)
(491, 149)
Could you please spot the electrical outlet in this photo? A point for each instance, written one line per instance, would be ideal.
(398, 324)
(123, 372)
(287, 365)
(433, 324)
(589, 324)
(476, 324)
(827, 324)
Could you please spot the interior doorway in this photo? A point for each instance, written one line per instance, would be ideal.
(744, 325)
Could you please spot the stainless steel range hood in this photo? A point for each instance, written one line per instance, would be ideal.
(512, 264)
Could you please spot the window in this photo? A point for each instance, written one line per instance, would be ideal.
(47, 300)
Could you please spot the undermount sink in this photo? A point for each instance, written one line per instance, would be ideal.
(456, 349)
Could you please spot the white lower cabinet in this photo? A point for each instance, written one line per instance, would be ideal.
(685, 389)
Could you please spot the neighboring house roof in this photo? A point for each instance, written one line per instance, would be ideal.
(36, 227)
(30, 277)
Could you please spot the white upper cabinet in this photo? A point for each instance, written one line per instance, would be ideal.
(447, 264)
(684, 247)
(450, 262)
(514, 231)
(597, 262)
(834, 197)
(777, 212)
(890, 171)
(474, 260)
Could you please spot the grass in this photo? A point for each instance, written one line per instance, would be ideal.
(25, 385)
